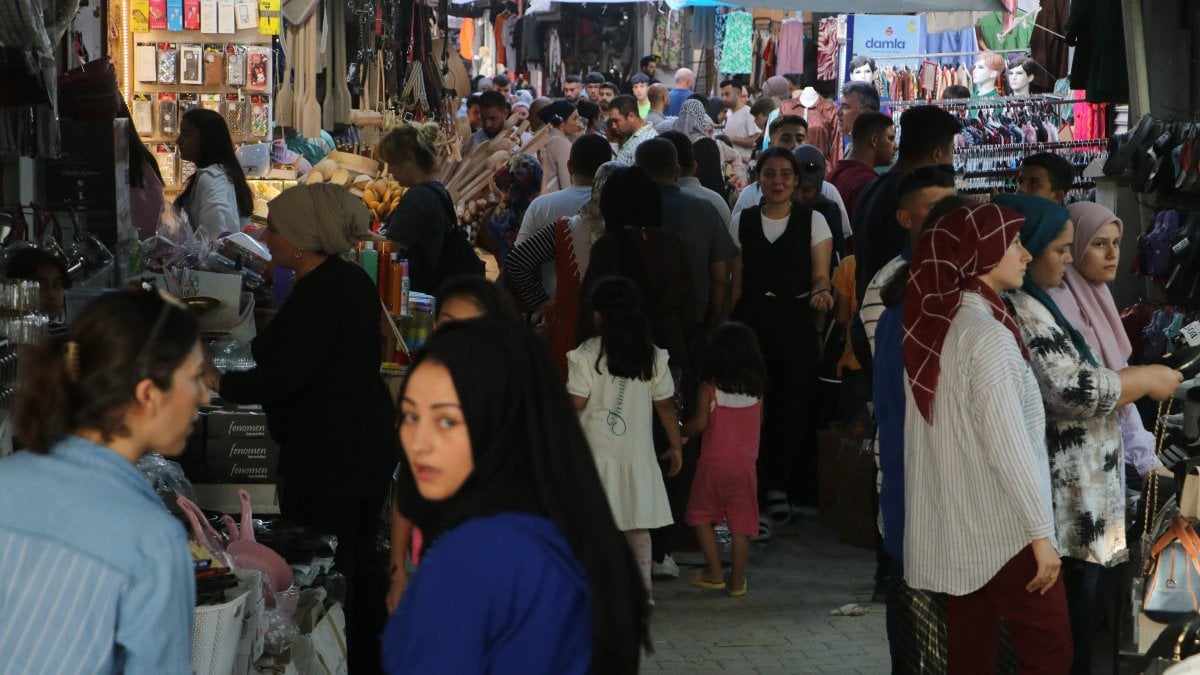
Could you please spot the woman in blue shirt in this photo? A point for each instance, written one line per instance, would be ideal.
(95, 574)
(524, 570)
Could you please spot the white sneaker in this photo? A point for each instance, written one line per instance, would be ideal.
(667, 569)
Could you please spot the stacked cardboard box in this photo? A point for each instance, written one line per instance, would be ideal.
(231, 446)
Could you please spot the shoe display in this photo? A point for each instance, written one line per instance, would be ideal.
(778, 508)
(667, 569)
(765, 529)
(1184, 359)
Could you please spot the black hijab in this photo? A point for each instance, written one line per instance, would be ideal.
(531, 456)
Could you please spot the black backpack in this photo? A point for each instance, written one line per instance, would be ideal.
(458, 255)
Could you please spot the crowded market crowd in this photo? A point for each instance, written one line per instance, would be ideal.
(646, 369)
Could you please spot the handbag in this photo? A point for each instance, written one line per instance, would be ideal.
(1173, 587)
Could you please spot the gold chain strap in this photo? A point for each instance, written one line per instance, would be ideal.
(1150, 493)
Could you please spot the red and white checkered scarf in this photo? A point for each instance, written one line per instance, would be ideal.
(950, 257)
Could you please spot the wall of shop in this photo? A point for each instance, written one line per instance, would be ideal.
(1170, 44)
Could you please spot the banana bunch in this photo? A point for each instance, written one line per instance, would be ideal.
(382, 196)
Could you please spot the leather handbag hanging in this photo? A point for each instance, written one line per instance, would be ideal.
(1173, 587)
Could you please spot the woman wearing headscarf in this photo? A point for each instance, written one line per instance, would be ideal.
(635, 245)
(568, 244)
(975, 450)
(524, 569)
(317, 378)
(1082, 436)
(1087, 304)
(694, 122)
(562, 120)
(518, 181)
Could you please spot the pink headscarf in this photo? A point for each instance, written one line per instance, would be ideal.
(1089, 306)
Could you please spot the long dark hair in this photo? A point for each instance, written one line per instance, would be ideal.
(631, 199)
(530, 455)
(87, 378)
(735, 363)
(216, 147)
(625, 339)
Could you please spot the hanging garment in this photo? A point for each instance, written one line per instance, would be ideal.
(668, 40)
(498, 35)
(736, 54)
(952, 42)
(769, 57)
(791, 47)
(991, 28)
(827, 49)
(824, 129)
(1050, 51)
(703, 22)
(1097, 32)
(719, 35)
(466, 39)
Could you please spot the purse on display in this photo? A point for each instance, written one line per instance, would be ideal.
(1173, 587)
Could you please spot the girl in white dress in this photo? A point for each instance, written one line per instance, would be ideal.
(615, 380)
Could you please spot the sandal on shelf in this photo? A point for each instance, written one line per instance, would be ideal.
(706, 585)
(778, 508)
(739, 592)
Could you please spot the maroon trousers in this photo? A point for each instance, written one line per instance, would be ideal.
(1039, 625)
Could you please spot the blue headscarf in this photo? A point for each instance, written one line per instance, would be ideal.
(1044, 221)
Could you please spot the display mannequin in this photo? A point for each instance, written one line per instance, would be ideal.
(986, 74)
(862, 69)
(1021, 74)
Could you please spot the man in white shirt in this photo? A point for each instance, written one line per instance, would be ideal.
(588, 152)
(789, 132)
(739, 122)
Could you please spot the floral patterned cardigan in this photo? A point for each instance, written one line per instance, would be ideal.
(1083, 439)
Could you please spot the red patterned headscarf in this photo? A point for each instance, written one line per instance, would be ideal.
(950, 257)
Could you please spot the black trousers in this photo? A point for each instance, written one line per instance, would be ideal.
(355, 523)
(787, 452)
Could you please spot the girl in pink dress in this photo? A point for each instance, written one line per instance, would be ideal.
(729, 415)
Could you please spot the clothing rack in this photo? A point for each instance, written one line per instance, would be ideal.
(1098, 143)
(914, 57)
(990, 102)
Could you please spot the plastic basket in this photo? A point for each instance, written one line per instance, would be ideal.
(215, 636)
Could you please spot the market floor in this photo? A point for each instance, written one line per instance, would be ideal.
(783, 625)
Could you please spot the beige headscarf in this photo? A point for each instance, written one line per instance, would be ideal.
(322, 217)
(777, 87)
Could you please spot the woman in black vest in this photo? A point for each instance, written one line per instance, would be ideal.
(780, 286)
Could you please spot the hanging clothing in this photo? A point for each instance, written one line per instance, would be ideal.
(791, 47)
(1050, 51)
(719, 36)
(736, 54)
(501, 53)
(703, 23)
(1096, 29)
(668, 39)
(991, 26)
(466, 39)
(950, 42)
(824, 128)
(827, 49)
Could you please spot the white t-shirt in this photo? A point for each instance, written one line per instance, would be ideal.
(773, 229)
(751, 195)
(740, 124)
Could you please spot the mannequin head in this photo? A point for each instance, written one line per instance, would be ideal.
(986, 75)
(862, 69)
(1021, 74)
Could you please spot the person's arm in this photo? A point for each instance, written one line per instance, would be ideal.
(821, 298)
(735, 283)
(699, 422)
(523, 268)
(1138, 443)
(400, 537)
(662, 392)
(156, 609)
(215, 204)
(1157, 382)
(718, 293)
(581, 372)
(1003, 436)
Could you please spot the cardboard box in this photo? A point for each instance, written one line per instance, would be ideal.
(236, 424)
(1147, 632)
(220, 450)
(240, 472)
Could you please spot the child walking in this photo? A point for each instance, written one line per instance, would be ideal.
(615, 380)
(729, 415)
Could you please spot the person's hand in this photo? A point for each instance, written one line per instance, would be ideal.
(1048, 565)
(821, 300)
(396, 589)
(1161, 381)
(1164, 472)
(674, 455)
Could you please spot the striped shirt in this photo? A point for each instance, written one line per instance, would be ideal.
(872, 304)
(95, 575)
(977, 482)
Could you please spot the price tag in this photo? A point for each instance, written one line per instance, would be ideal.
(1191, 334)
